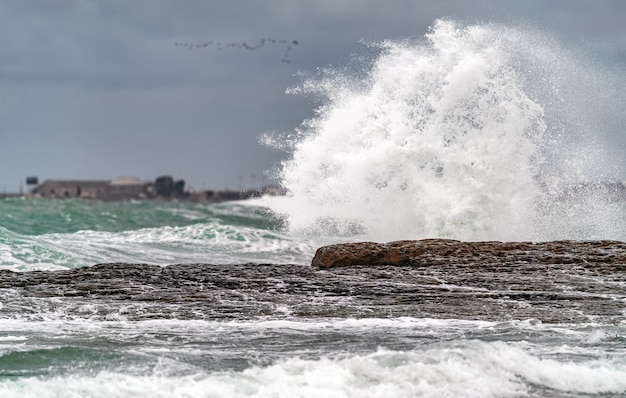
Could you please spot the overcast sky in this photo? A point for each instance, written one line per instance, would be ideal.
(99, 89)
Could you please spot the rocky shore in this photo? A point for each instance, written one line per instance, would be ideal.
(550, 282)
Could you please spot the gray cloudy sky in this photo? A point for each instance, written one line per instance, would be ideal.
(99, 89)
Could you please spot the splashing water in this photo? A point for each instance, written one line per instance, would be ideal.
(467, 135)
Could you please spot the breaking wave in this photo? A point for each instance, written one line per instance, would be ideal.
(478, 132)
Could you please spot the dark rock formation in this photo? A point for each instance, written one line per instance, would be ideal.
(482, 286)
(436, 252)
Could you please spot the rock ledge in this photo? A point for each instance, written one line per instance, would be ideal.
(432, 252)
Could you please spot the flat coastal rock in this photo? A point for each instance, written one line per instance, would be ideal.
(434, 252)
(552, 282)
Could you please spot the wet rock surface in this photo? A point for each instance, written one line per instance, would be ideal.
(552, 282)
(436, 252)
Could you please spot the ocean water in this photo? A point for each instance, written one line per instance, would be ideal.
(470, 133)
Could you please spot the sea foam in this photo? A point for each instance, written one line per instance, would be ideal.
(473, 133)
(470, 369)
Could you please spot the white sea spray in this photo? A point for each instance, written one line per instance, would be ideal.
(474, 134)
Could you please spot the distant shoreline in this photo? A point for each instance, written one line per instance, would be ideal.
(133, 188)
(210, 196)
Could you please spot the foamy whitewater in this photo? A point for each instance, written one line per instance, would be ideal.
(476, 132)
(468, 135)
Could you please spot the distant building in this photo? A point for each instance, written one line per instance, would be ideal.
(117, 189)
(166, 186)
(32, 180)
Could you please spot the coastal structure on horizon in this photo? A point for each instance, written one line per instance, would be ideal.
(127, 188)
(116, 189)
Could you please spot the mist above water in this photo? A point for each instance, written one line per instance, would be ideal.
(473, 133)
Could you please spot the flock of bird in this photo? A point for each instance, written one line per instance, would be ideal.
(244, 46)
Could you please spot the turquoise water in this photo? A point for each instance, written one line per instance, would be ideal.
(39, 217)
(40, 234)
